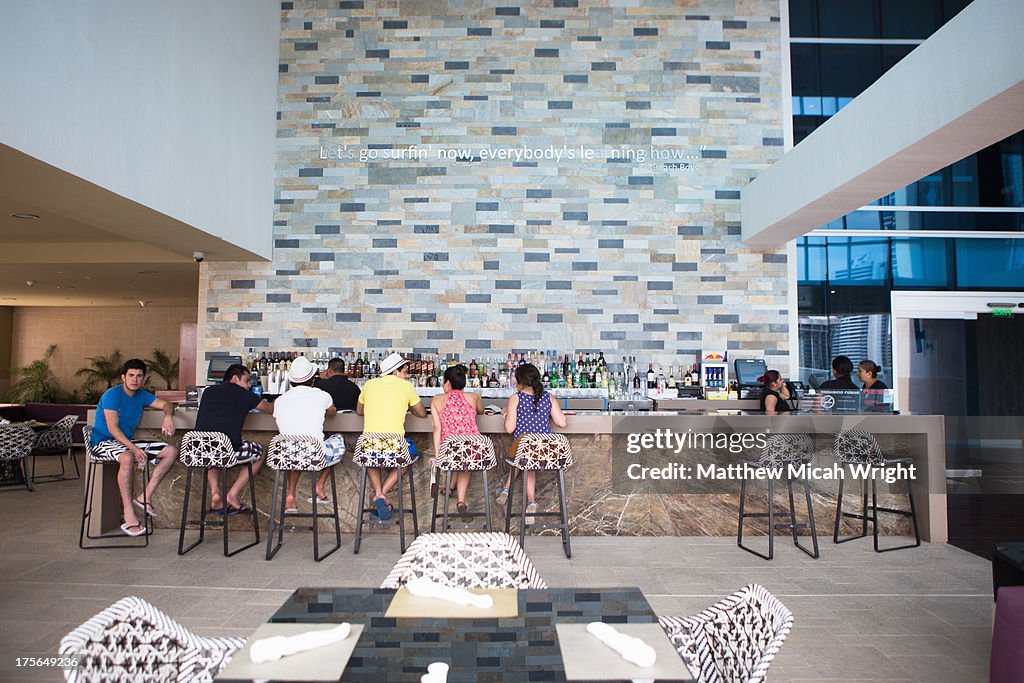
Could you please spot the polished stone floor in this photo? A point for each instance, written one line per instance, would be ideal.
(913, 615)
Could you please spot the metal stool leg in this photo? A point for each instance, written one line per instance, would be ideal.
(360, 511)
(810, 521)
(564, 508)
(274, 523)
(447, 500)
(184, 515)
(401, 514)
(522, 518)
(487, 503)
(875, 510)
(412, 501)
(437, 494)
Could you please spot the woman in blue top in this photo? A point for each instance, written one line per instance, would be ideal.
(530, 411)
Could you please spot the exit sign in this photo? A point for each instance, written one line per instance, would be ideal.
(1002, 312)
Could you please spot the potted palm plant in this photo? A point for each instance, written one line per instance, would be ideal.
(101, 374)
(36, 383)
(161, 366)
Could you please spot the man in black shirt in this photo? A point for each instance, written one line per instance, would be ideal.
(345, 393)
(223, 409)
(842, 366)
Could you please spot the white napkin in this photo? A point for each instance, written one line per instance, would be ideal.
(272, 649)
(425, 588)
(633, 650)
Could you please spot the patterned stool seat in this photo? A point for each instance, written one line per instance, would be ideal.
(465, 453)
(213, 450)
(57, 437)
(385, 451)
(96, 459)
(733, 640)
(134, 641)
(858, 447)
(781, 450)
(542, 452)
(296, 452)
(374, 449)
(299, 453)
(481, 560)
(210, 450)
(16, 443)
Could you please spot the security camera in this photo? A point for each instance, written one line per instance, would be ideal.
(198, 256)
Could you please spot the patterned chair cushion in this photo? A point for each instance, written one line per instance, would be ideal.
(543, 452)
(16, 441)
(733, 640)
(296, 452)
(468, 452)
(374, 449)
(478, 560)
(207, 449)
(786, 449)
(134, 641)
(855, 446)
(58, 436)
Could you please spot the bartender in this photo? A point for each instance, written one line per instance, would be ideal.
(842, 366)
(776, 396)
(867, 372)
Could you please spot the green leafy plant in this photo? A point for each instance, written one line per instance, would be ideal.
(161, 366)
(37, 383)
(101, 374)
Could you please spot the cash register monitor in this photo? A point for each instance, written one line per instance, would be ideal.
(749, 371)
(218, 365)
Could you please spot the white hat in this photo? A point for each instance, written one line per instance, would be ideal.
(391, 363)
(301, 371)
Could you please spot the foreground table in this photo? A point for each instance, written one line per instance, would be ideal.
(523, 648)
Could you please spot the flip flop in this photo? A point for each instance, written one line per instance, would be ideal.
(291, 511)
(462, 509)
(383, 509)
(216, 511)
(243, 510)
(319, 500)
(140, 529)
(147, 508)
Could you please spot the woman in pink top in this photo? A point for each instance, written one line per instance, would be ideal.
(454, 414)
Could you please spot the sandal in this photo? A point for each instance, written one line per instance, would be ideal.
(139, 529)
(383, 509)
(146, 507)
(462, 509)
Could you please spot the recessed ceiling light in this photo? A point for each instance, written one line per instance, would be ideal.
(149, 272)
(65, 287)
(25, 216)
(9, 298)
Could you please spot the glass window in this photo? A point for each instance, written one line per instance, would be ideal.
(804, 60)
(860, 337)
(891, 54)
(848, 18)
(847, 70)
(910, 18)
(985, 263)
(858, 261)
(810, 259)
(918, 262)
(803, 18)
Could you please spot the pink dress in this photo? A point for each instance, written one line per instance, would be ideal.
(458, 417)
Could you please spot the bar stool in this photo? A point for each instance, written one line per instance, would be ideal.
(779, 452)
(202, 451)
(56, 440)
(542, 452)
(858, 447)
(291, 453)
(464, 453)
(477, 560)
(94, 461)
(386, 451)
(16, 443)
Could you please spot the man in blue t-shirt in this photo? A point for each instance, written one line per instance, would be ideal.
(117, 415)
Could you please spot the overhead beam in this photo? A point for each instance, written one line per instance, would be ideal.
(956, 93)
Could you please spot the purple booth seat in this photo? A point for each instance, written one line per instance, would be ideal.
(1007, 664)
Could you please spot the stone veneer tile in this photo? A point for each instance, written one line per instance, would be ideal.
(487, 246)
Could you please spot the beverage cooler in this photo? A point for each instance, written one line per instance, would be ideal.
(714, 376)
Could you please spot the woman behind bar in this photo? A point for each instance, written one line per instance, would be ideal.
(530, 411)
(867, 372)
(776, 396)
(454, 414)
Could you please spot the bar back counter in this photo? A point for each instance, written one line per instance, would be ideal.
(606, 493)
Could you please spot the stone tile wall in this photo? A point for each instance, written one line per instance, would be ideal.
(486, 177)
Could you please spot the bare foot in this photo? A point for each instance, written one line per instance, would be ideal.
(216, 503)
(289, 503)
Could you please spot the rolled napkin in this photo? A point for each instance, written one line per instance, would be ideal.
(425, 588)
(272, 649)
(633, 650)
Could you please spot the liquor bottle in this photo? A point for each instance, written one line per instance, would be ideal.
(472, 369)
(650, 375)
(493, 383)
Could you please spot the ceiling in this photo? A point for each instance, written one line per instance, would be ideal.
(84, 245)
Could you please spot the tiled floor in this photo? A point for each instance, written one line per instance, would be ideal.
(913, 615)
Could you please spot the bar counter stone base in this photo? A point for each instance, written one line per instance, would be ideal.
(595, 509)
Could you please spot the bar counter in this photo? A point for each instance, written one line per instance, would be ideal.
(599, 505)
